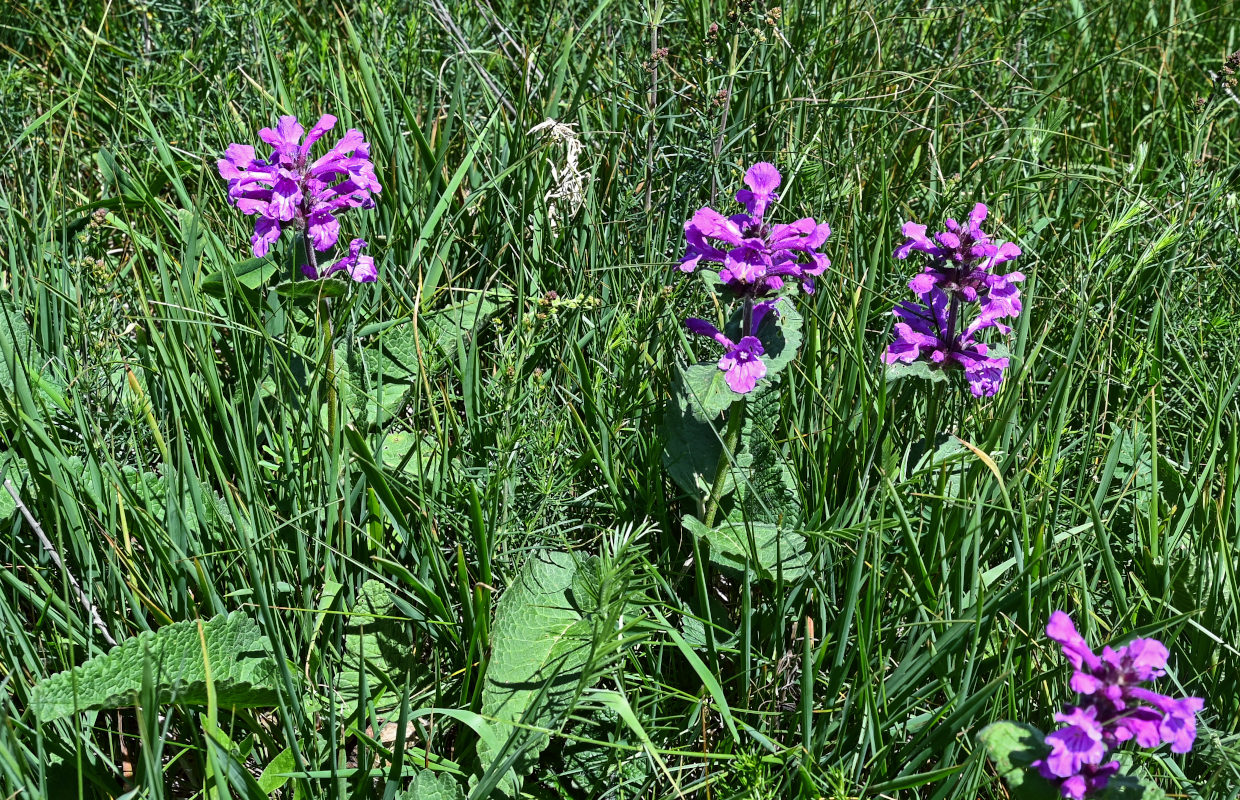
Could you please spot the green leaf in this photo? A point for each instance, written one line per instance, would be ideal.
(692, 445)
(274, 775)
(917, 369)
(375, 640)
(771, 550)
(1131, 787)
(239, 657)
(768, 492)
(1012, 747)
(540, 646)
(312, 289)
(708, 392)
(428, 785)
(10, 470)
(396, 446)
(447, 326)
(399, 350)
(16, 334)
(781, 337)
(945, 449)
(249, 274)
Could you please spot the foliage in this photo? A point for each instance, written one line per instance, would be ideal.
(162, 405)
(223, 660)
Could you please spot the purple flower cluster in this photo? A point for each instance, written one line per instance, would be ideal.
(1114, 709)
(957, 276)
(289, 189)
(741, 362)
(756, 257)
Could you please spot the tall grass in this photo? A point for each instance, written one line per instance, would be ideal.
(170, 443)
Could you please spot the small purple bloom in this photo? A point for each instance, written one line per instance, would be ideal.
(1078, 743)
(288, 188)
(1091, 779)
(1115, 708)
(962, 260)
(927, 333)
(741, 362)
(1061, 629)
(756, 257)
(359, 267)
(762, 179)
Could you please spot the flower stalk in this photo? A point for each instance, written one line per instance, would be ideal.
(736, 421)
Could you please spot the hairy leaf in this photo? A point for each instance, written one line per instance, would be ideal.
(540, 647)
(1012, 747)
(375, 641)
(236, 652)
(768, 493)
(428, 785)
(767, 549)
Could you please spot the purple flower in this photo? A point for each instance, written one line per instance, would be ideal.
(1115, 708)
(756, 257)
(928, 333)
(962, 260)
(1177, 725)
(959, 244)
(1091, 779)
(360, 268)
(288, 188)
(1078, 743)
(741, 363)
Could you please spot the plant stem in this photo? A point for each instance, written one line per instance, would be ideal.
(736, 419)
(325, 325)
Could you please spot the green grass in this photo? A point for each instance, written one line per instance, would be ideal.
(167, 432)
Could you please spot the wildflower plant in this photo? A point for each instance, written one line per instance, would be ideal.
(959, 295)
(754, 267)
(1076, 760)
(292, 190)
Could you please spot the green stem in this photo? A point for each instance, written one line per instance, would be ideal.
(325, 322)
(325, 325)
(329, 380)
(933, 413)
(736, 419)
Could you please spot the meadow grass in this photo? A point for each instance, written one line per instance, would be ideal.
(163, 423)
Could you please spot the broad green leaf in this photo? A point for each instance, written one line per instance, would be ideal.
(1131, 787)
(540, 647)
(312, 289)
(274, 775)
(1012, 747)
(449, 325)
(946, 449)
(250, 274)
(238, 655)
(428, 785)
(781, 338)
(396, 446)
(375, 640)
(917, 369)
(708, 391)
(768, 491)
(10, 470)
(595, 768)
(16, 334)
(399, 348)
(692, 445)
(771, 550)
